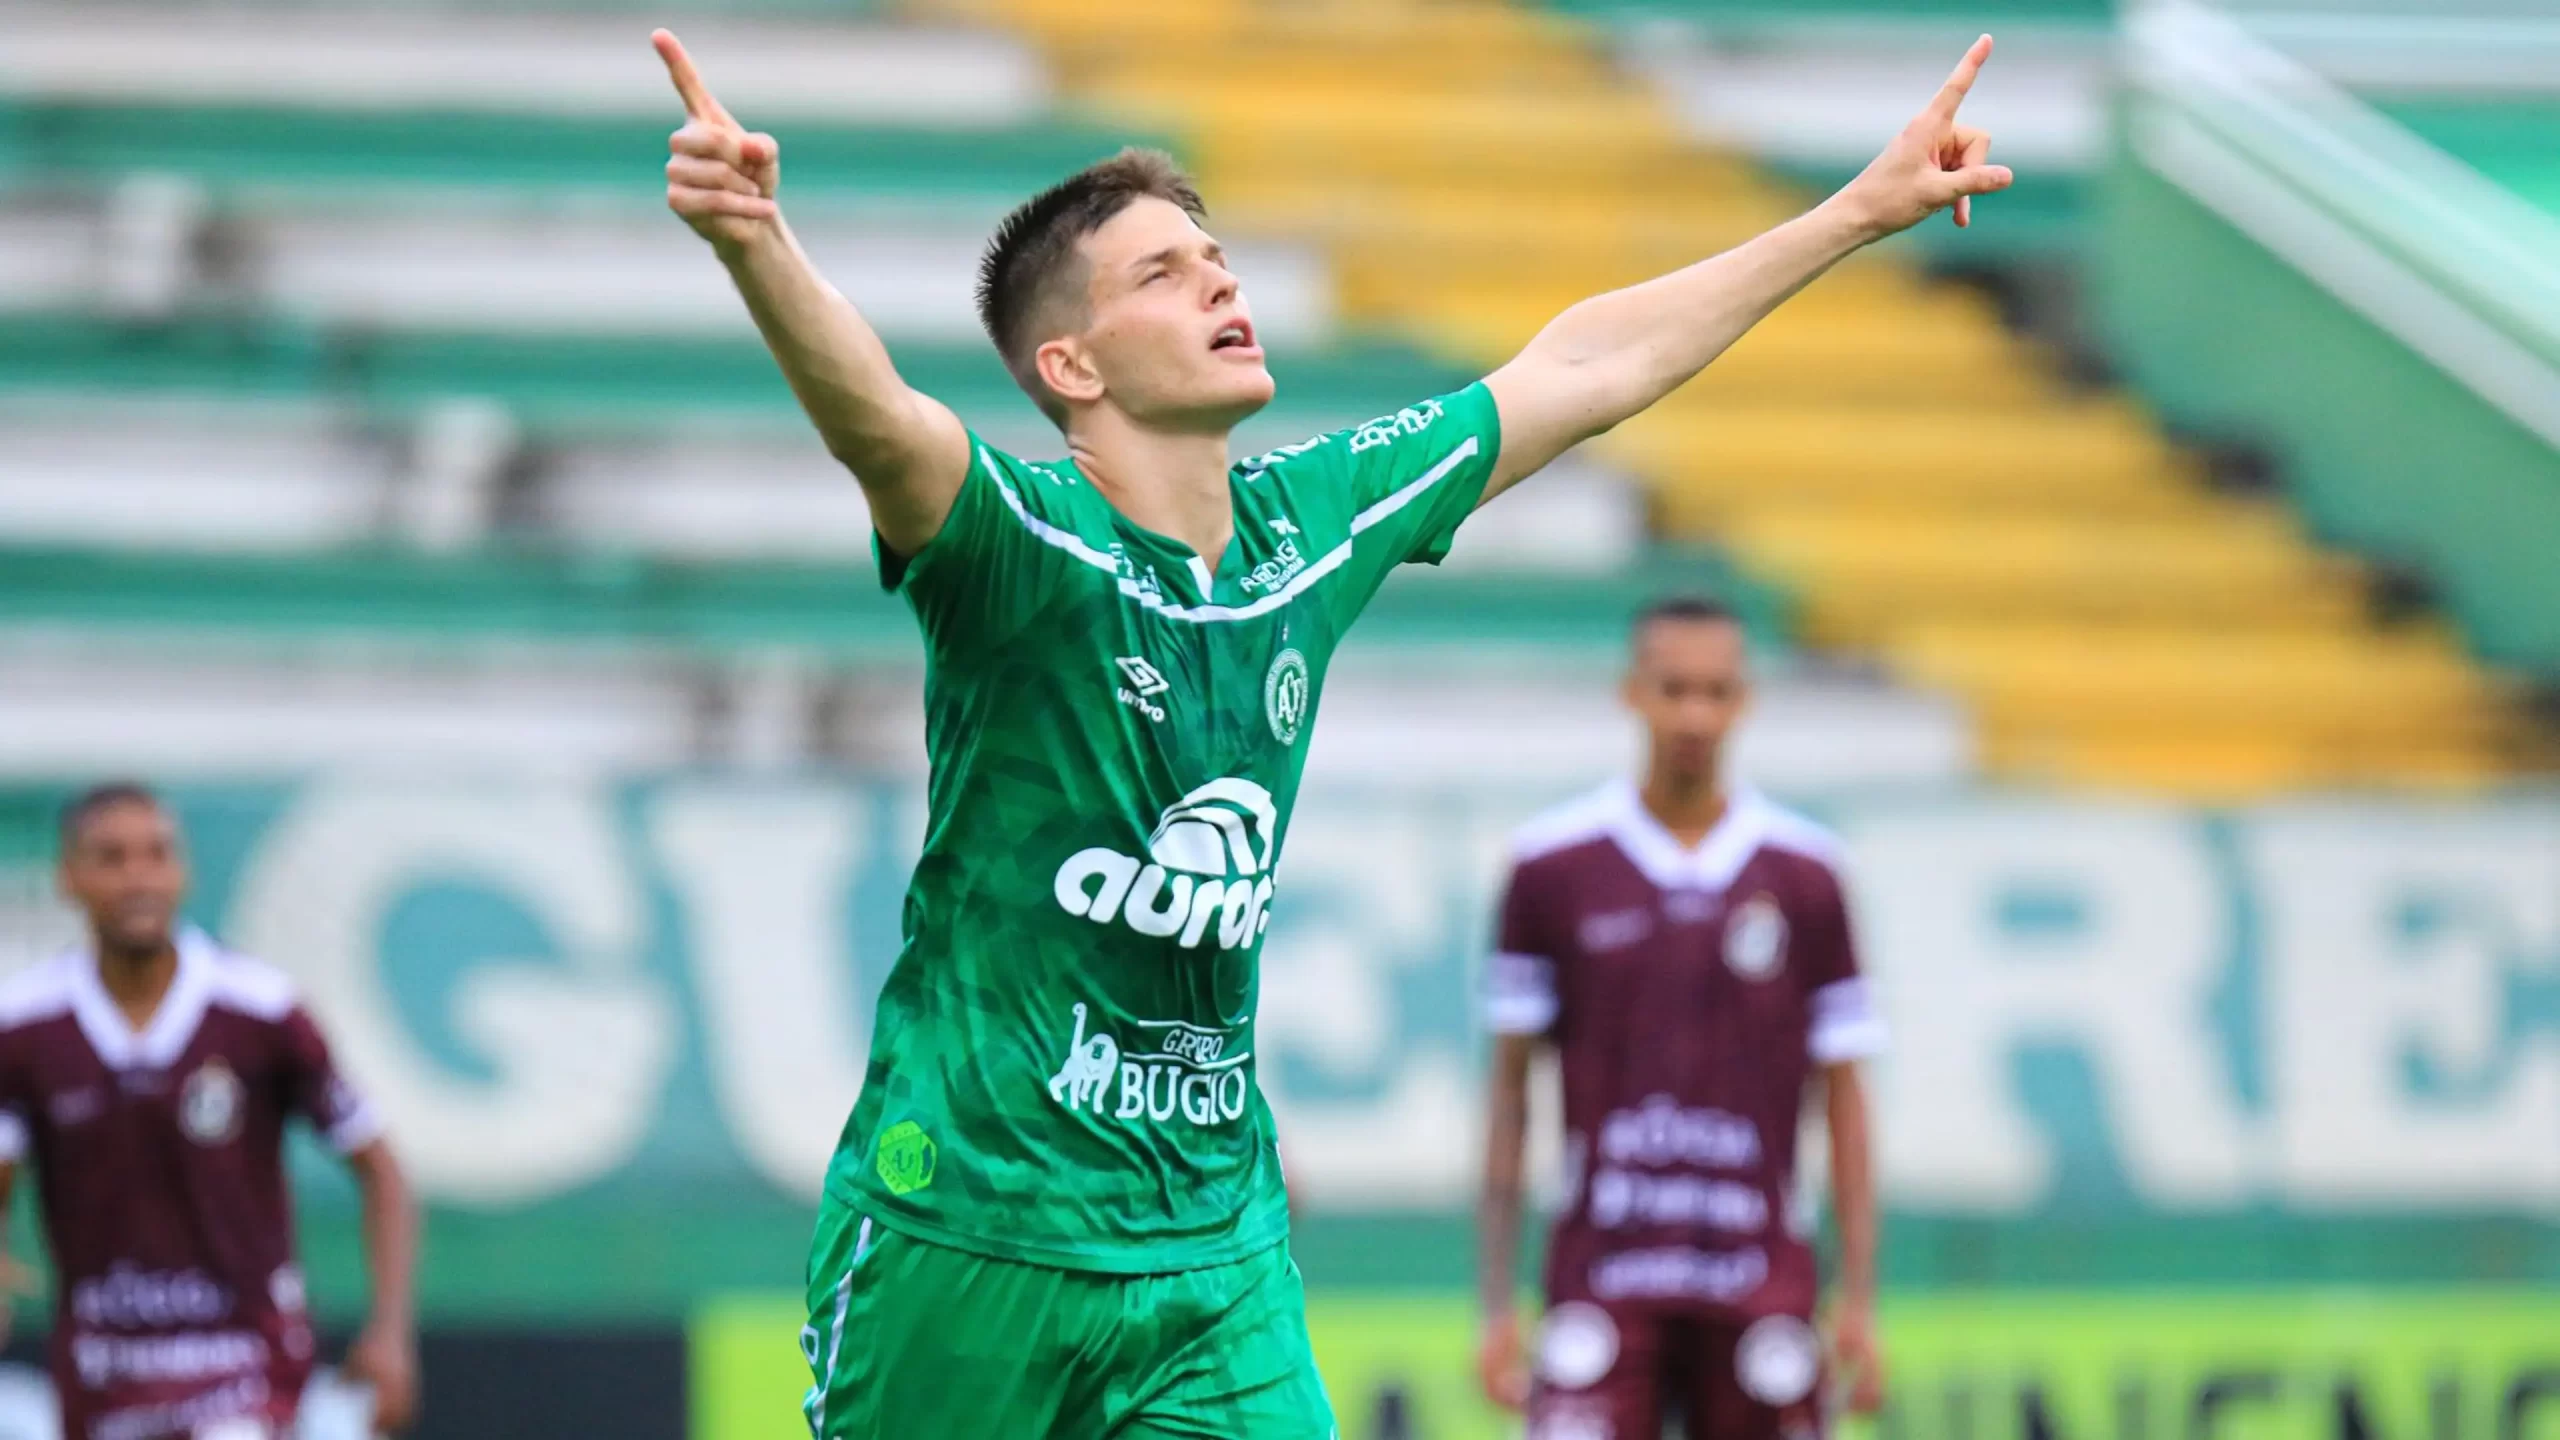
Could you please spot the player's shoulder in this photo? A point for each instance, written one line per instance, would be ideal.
(244, 984)
(1034, 490)
(1424, 431)
(1554, 835)
(40, 992)
(1796, 836)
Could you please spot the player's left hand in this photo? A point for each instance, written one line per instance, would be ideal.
(1933, 164)
(385, 1356)
(1857, 1355)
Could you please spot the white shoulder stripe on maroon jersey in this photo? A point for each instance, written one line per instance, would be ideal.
(39, 992)
(1846, 1024)
(1578, 821)
(1519, 994)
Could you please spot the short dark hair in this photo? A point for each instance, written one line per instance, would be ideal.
(86, 806)
(1694, 608)
(1025, 274)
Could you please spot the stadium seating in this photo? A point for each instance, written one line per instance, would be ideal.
(1921, 478)
(402, 257)
(419, 322)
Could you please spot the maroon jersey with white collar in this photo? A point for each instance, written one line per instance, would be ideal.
(159, 1160)
(1690, 994)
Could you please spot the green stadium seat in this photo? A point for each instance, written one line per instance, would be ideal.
(278, 151)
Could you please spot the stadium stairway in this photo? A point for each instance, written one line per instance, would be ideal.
(1931, 489)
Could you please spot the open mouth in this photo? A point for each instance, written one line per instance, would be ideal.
(1237, 335)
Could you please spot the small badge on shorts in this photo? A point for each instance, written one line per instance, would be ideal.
(1577, 1343)
(905, 1158)
(1777, 1360)
(209, 1106)
(1755, 941)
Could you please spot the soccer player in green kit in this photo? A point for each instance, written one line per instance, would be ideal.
(1057, 1209)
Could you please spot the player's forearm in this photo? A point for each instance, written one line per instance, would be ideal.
(1853, 1188)
(1497, 1248)
(835, 362)
(1618, 353)
(390, 1220)
(1498, 1210)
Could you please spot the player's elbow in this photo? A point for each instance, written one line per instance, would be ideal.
(379, 1176)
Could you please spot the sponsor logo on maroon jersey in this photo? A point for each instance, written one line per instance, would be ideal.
(1662, 1131)
(228, 1411)
(1689, 907)
(1621, 1198)
(77, 1107)
(1614, 929)
(1679, 1272)
(190, 1357)
(129, 1299)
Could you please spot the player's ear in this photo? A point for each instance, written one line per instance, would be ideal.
(1068, 370)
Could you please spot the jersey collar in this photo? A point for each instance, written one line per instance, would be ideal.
(159, 1044)
(1737, 836)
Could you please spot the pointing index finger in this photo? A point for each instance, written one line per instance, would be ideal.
(696, 95)
(1959, 83)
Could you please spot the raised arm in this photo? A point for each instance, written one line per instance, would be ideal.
(1614, 355)
(908, 450)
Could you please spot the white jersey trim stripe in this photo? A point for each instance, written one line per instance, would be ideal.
(1075, 545)
(1404, 497)
(361, 1127)
(1520, 994)
(1846, 1024)
(1065, 540)
(13, 1138)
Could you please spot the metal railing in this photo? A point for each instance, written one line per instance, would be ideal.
(2457, 268)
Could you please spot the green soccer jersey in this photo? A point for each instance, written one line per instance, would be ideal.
(1062, 1067)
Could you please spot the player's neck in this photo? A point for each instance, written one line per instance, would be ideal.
(1171, 482)
(138, 980)
(1688, 808)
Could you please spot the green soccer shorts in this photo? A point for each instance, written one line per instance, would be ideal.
(908, 1339)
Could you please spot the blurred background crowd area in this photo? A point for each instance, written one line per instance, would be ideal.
(2158, 585)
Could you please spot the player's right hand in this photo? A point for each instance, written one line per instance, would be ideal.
(1499, 1366)
(721, 177)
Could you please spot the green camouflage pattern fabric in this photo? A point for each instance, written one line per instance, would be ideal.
(1063, 1062)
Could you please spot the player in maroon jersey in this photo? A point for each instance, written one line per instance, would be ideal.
(149, 1076)
(1685, 950)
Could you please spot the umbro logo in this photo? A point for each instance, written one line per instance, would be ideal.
(1141, 683)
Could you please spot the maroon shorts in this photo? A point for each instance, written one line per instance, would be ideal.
(1606, 1373)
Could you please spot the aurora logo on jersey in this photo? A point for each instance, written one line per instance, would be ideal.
(1184, 1071)
(1207, 869)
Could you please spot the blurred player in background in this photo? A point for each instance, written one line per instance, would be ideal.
(1684, 948)
(149, 1076)
(1057, 1209)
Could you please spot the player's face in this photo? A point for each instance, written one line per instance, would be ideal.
(1171, 340)
(126, 870)
(1688, 685)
